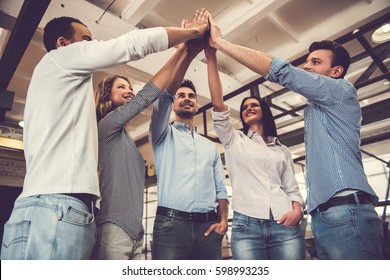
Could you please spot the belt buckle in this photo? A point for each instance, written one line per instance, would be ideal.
(171, 213)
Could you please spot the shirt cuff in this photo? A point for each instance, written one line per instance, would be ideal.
(220, 116)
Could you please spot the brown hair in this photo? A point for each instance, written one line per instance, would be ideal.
(102, 96)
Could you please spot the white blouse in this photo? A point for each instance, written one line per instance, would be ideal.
(262, 175)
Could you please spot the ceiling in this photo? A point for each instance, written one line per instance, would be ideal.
(284, 28)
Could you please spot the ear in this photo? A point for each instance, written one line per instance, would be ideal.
(337, 71)
(61, 42)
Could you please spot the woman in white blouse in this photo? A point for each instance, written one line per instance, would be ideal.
(266, 200)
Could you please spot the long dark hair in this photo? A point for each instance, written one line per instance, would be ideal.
(268, 119)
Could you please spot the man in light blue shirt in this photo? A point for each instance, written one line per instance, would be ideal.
(191, 216)
(342, 203)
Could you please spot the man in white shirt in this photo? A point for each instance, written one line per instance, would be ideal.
(53, 217)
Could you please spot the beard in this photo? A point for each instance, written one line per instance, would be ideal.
(185, 114)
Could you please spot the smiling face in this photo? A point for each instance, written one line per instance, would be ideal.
(185, 104)
(121, 92)
(320, 62)
(251, 111)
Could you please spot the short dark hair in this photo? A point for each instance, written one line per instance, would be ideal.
(340, 54)
(188, 83)
(268, 119)
(56, 28)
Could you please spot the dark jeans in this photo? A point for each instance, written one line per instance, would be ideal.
(176, 239)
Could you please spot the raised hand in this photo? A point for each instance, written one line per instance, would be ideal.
(215, 32)
(193, 46)
(200, 22)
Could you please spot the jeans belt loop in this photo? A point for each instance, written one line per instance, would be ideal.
(355, 195)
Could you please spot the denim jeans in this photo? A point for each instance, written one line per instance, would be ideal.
(52, 226)
(176, 239)
(258, 239)
(348, 232)
(113, 243)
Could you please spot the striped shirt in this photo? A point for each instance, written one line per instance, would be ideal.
(332, 132)
(121, 166)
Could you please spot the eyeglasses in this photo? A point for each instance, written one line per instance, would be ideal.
(250, 105)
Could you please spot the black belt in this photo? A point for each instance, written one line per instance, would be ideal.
(192, 217)
(86, 198)
(354, 198)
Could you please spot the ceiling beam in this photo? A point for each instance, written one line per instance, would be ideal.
(25, 26)
(137, 10)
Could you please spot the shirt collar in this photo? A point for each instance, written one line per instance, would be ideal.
(183, 126)
(274, 141)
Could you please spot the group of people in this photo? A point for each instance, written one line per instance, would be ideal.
(83, 193)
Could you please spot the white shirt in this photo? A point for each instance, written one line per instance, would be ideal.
(262, 175)
(60, 134)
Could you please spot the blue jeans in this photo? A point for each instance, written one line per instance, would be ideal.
(348, 232)
(52, 226)
(176, 239)
(258, 239)
(113, 243)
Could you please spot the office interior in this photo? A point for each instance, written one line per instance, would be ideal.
(284, 28)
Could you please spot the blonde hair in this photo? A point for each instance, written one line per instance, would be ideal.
(103, 94)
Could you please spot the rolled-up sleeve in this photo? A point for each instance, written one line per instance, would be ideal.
(320, 89)
(146, 41)
(219, 177)
(223, 127)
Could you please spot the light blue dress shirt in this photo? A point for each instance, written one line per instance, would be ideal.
(189, 169)
(332, 132)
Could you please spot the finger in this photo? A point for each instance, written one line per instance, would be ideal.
(196, 14)
(281, 220)
(211, 229)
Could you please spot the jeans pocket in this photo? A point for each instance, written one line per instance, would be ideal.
(77, 217)
(15, 240)
(238, 225)
(336, 218)
(162, 224)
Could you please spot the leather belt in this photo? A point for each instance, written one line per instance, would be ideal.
(86, 198)
(191, 217)
(354, 198)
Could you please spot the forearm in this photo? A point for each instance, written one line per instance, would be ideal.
(179, 71)
(177, 35)
(215, 85)
(257, 61)
(223, 210)
(162, 78)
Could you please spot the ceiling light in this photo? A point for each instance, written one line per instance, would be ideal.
(382, 34)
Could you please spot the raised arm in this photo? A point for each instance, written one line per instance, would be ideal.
(214, 81)
(257, 61)
(190, 50)
(180, 63)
